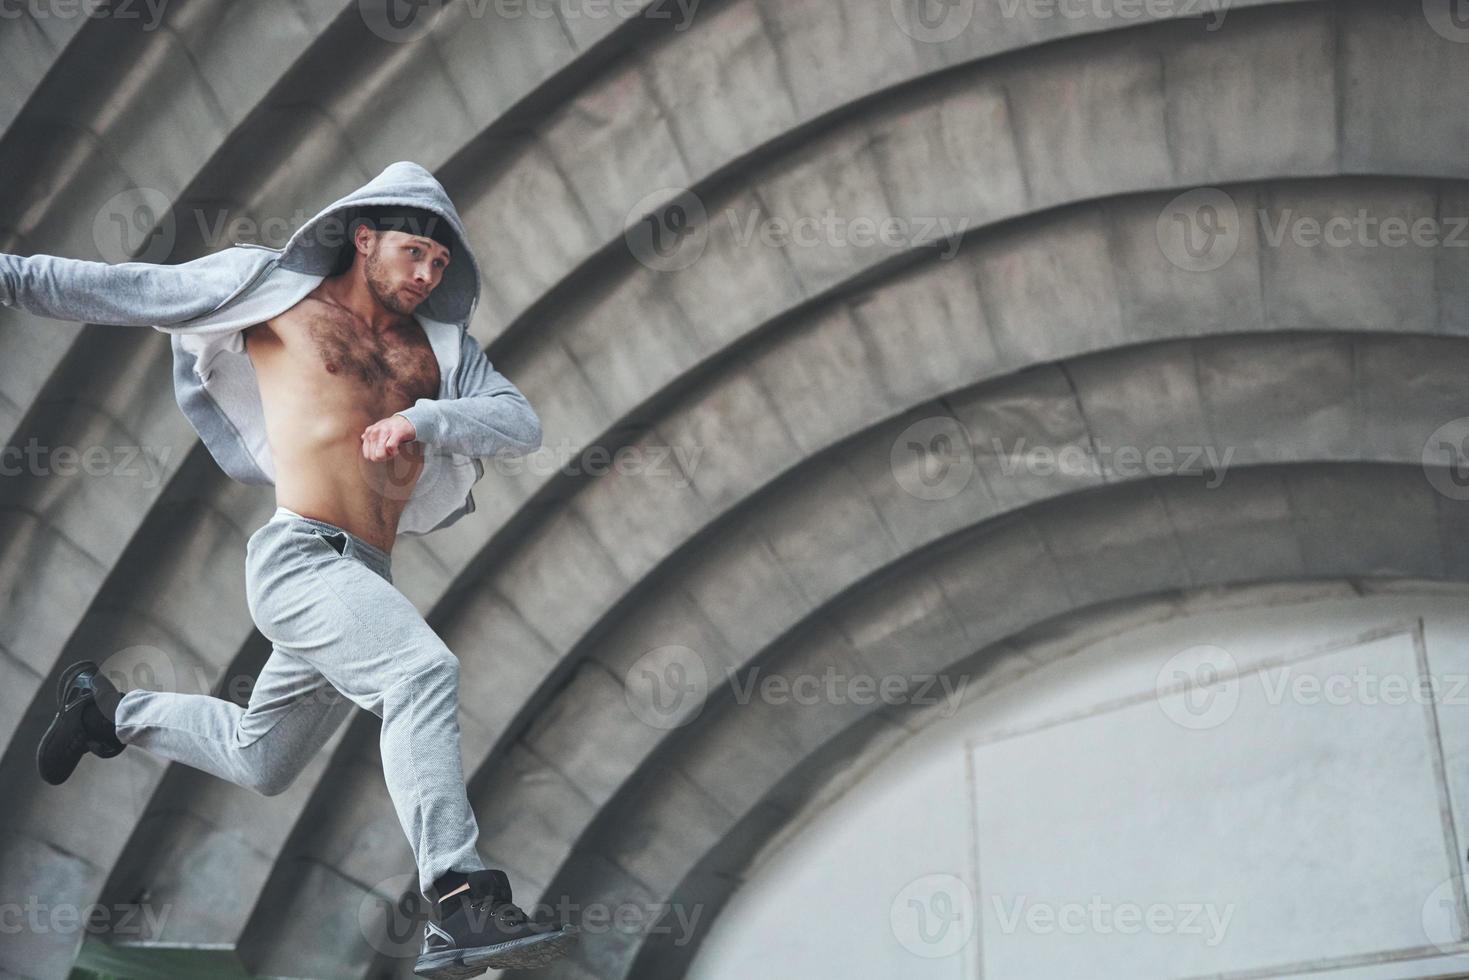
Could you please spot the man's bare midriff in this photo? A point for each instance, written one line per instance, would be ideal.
(324, 377)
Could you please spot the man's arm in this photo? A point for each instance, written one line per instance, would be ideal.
(129, 294)
(491, 416)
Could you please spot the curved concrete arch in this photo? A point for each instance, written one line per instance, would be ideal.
(666, 121)
(647, 346)
(839, 762)
(78, 535)
(506, 807)
(425, 561)
(642, 323)
(171, 96)
(590, 400)
(752, 578)
(941, 603)
(762, 408)
(28, 50)
(499, 604)
(191, 829)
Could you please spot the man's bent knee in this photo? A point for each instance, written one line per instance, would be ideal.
(270, 784)
(265, 780)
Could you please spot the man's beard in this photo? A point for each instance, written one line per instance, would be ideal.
(385, 294)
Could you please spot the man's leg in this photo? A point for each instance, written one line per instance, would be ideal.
(316, 597)
(293, 710)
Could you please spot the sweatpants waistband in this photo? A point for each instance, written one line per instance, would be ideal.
(369, 553)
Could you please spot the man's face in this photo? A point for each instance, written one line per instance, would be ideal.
(403, 269)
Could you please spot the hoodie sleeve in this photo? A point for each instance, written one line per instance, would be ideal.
(490, 417)
(128, 294)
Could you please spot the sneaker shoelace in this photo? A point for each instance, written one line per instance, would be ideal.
(508, 911)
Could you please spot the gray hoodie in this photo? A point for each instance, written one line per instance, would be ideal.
(205, 304)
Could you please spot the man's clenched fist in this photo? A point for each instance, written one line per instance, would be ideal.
(381, 439)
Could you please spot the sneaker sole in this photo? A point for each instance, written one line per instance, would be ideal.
(529, 952)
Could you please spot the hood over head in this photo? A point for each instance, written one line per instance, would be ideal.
(315, 247)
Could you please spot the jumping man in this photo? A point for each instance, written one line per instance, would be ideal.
(341, 371)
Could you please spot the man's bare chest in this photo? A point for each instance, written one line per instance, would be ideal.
(398, 361)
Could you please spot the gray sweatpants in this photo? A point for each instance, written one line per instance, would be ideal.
(342, 634)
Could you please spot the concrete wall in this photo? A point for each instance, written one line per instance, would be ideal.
(800, 404)
(1262, 782)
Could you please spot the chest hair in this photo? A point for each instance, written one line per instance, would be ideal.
(399, 362)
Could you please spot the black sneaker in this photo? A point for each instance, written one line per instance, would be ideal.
(80, 726)
(486, 932)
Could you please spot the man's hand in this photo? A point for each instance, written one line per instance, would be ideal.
(380, 440)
